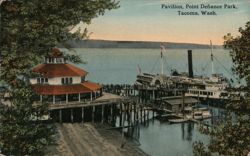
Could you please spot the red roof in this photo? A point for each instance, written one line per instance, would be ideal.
(86, 87)
(59, 70)
(92, 86)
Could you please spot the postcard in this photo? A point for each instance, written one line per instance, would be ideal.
(127, 77)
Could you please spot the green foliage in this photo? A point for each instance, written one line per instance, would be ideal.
(29, 30)
(227, 138)
(21, 131)
(231, 136)
(240, 52)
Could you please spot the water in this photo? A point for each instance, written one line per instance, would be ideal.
(119, 66)
(160, 139)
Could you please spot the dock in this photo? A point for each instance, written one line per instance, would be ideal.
(106, 99)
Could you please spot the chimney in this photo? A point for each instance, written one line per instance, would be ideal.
(190, 64)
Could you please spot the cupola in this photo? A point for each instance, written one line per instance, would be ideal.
(55, 57)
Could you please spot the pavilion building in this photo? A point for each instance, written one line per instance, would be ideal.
(60, 82)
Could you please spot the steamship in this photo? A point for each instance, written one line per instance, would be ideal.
(213, 87)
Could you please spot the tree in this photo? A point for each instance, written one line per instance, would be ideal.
(29, 30)
(240, 52)
(231, 136)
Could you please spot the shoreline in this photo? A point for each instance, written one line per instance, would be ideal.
(91, 140)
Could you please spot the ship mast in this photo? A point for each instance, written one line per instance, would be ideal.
(161, 64)
(162, 47)
(212, 57)
(138, 69)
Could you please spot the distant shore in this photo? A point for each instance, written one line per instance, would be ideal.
(91, 140)
(136, 44)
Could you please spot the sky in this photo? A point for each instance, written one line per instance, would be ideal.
(145, 20)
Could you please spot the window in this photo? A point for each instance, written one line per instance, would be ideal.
(82, 79)
(67, 80)
(42, 80)
(62, 80)
(38, 80)
(59, 60)
(49, 60)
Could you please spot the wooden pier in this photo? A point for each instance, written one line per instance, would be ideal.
(119, 111)
(122, 106)
(106, 99)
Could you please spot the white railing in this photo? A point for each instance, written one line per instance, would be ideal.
(81, 103)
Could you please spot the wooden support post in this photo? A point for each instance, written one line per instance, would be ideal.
(144, 115)
(123, 121)
(139, 94)
(134, 113)
(49, 114)
(72, 115)
(79, 97)
(54, 99)
(102, 113)
(198, 95)
(147, 116)
(91, 98)
(60, 116)
(111, 113)
(137, 113)
(153, 96)
(141, 113)
(142, 97)
(67, 98)
(128, 114)
(183, 102)
(212, 119)
(41, 98)
(120, 114)
(93, 114)
(82, 114)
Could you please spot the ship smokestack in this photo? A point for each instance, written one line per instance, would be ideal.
(190, 64)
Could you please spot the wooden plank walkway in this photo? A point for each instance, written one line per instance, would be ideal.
(106, 99)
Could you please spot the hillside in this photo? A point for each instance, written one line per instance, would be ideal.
(135, 44)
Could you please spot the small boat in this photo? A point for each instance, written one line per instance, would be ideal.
(181, 120)
(176, 118)
(167, 117)
(201, 113)
(200, 116)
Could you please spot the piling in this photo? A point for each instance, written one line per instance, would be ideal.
(120, 113)
(93, 114)
(141, 113)
(102, 114)
(60, 115)
(144, 115)
(71, 115)
(82, 114)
